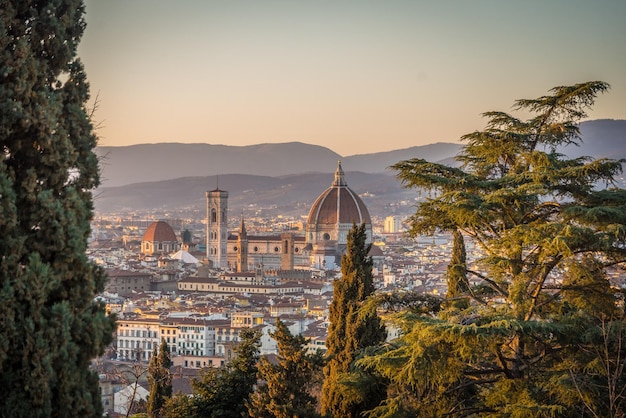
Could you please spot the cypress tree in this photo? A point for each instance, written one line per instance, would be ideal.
(286, 391)
(160, 379)
(350, 330)
(51, 328)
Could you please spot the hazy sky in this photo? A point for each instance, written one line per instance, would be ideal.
(356, 76)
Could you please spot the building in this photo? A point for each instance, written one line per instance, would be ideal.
(217, 227)
(125, 282)
(159, 239)
(137, 338)
(392, 225)
(330, 219)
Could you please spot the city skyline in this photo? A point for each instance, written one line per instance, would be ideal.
(353, 76)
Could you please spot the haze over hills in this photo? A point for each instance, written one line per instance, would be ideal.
(285, 176)
(164, 161)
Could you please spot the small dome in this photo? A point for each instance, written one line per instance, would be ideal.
(159, 231)
(338, 205)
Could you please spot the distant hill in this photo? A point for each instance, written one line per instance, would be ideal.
(165, 161)
(289, 195)
(602, 138)
(288, 175)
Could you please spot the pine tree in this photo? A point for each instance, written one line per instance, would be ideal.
(160, 379)
(286, 392)
(549, 232)
(51, 328)
(351, 330)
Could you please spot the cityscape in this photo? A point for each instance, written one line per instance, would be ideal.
(163, 283)
(226, 209)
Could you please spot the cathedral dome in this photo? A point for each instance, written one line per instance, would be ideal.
(335, 211)
(159, 231)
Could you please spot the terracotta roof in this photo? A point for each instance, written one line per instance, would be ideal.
(160, 231)
(338, 204)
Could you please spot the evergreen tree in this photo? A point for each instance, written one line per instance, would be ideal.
(286, 392)
(160, 379)
(350, 331)
(456, 273)
(51, 328)
(548, 231)
(222, 392)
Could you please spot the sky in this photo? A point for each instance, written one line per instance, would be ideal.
(355, 76)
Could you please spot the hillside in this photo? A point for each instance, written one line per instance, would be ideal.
(287, 176)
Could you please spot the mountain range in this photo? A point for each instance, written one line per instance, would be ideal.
(287, 176)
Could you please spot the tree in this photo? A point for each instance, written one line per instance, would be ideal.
(350, 331)
(51, 328)
(549, 228)
(160, 379)
(456, 273)
(222, 392)
(286, 392)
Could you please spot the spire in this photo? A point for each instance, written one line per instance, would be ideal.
(339, 177)
(242, 228)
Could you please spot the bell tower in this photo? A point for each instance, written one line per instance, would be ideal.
(242, 250)
(217, 227)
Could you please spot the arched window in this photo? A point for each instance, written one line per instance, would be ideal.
(286, 247)
(213, 215)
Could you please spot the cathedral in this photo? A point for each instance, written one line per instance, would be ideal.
(330, 219)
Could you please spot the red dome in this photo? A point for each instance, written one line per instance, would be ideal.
(160, 231)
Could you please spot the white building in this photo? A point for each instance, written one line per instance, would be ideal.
(392, 225)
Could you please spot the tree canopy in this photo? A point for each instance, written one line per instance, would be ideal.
(160, 379)
(224, 391)
(51, 328)
(285, 391)
(549, 229)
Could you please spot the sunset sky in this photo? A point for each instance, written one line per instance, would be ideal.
(356, 76)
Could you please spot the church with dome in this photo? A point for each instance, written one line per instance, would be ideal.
(330, 218)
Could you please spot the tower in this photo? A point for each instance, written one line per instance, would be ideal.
(286, 257)
(242, 249)
(217, 227)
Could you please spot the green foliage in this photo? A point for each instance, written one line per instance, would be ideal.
(287, 387)
(222, 392)
(532, 331)
(351, 330)
(160, 379)
(456, 273)
(51, 328)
